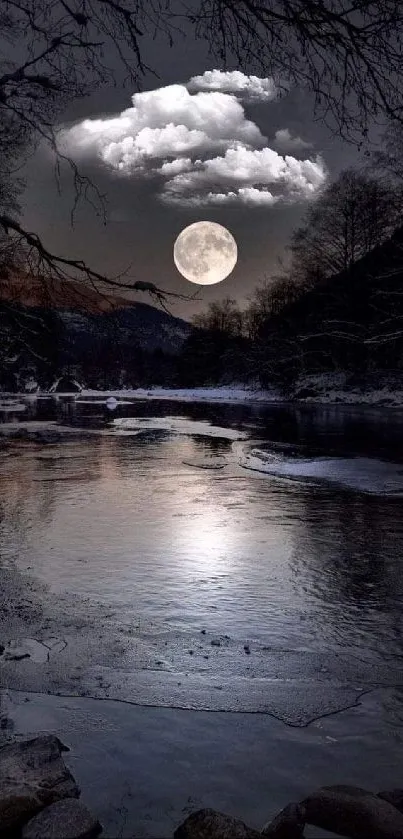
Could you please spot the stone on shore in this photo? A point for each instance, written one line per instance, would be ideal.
(32, 776)
(353, 812)
(209, 824)
(289, 824)
(394, 796)
(67, 819)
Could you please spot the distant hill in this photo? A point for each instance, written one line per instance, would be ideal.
(58, 294)
(86, 314)
(139, 323)
(66, 328)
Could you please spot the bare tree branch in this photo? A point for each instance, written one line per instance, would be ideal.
(76, 269)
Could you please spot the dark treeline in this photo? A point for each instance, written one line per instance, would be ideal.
(101, 351)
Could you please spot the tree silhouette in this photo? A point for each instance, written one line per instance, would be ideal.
(348, 53)
(354, 214)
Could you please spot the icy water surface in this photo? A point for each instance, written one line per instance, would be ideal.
(159, 518)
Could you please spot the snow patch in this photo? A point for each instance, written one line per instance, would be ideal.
(362, 474)
(338, 388)
(198, 394)
(177, 425)
(12, 407)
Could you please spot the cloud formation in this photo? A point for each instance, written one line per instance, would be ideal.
(249, 88)
(166, 122)
(285, 142)
(197, 143)
(252, 171)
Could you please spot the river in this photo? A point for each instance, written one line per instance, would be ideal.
(226, 558)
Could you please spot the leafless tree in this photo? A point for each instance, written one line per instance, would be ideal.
(269, 298)
(387, 161)
(221, 316)
(348, 53)
(51, 53)
(353, 215)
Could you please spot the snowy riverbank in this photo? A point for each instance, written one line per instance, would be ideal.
(321, 389)
(232, 393)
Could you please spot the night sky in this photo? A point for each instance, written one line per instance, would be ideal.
(208, 149)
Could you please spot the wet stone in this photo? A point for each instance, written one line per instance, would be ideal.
(393, 796)
(354, 812)
(67, 819)
(209, 824)
(32, 775)
(289, 824)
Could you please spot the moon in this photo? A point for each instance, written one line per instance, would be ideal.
(205, 252)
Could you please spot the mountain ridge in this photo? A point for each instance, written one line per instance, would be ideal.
(87, 314)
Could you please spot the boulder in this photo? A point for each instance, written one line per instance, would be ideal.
(305, 393)
(353, 812)
(17, 804)
(67, 819)
(289, 824)
(394, 796)
(209, 824)
(32, 775)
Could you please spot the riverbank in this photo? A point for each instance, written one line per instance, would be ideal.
(228, 394)
(142, 770)
(320, 389)
(326, 389)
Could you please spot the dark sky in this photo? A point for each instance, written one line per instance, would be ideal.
(141, 227)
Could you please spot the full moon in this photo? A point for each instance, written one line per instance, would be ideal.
(205, 252)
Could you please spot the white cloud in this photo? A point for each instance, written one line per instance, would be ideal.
(245, 195)
(174, 167)
(285, 142)
(251, 88)
(199, 146)
(166, 122)
(248, 169)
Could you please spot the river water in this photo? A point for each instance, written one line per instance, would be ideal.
(267, 541)
(159, 519)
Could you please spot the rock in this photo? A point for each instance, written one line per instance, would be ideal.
(17, 804)
(67, 819)
(289, 824)
(32, 775)
(393, 796)
(208, 824)
(353, 812)
(247, 649)
(305, 393)
(215, 642)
